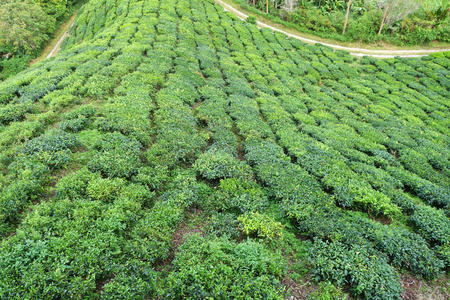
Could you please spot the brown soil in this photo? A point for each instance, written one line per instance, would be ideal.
(298, 290)
(187, 229)
(417, 289)
(100, 284)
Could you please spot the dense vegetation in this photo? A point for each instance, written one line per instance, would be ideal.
(25, 27)
(298, 161)
(405, 22)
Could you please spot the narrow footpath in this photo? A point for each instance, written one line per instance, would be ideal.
(54, 45)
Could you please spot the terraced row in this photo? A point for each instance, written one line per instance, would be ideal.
(157, 107)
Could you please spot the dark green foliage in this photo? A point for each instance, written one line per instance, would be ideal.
(134, 280)
(60, 99)
(29, 177)
(224, 224)
(239, 196)
(15, 112)
(73, 186)
(177, 138)
(162, 118)
(251, 20)
(443, 252)
(222, 269)
(78, 119)
(432, 224)
(67, 258)
(216, 164)
(117, 156)
(368, 275)
(152, 234)
(433, 194)
(153, 177)
(299, 192)
(53, 149)
(52, 142)
(13, 66)
(401, 247)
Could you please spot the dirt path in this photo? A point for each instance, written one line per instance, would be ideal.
(353, 51)
(55, 44)
(58, 44)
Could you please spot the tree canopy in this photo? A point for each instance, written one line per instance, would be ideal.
(23, 25)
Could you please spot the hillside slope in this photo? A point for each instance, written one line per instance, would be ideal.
(155, 113)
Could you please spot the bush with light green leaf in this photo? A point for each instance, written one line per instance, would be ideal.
(260, 225)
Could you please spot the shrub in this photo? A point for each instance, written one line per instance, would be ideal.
(432, 224)
(153, 177)
(251, 20)
(219, 268)
(51, 142)
(135, 279)
(69, 246)
(401, 247)
(152, 235)
(238, 196)
(74, 125)
(224, 224)
(118, 156)
(73, 186)
(433, 194)
(60, 99)
(14, 112)
(415, 31)
(261, 225)
(217, 164)
(13, 66)
(443, 252)
(367, 274)
(54, 149)
(28, 179)
(177, 138)
(104, 189)
(77, 119)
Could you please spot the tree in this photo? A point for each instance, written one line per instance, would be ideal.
(346, 15)
(396, 10)
(289, 6)
(55, 8)
(23, 25)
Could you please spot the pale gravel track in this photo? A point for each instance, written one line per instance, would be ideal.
(353, 51)
(55, 49)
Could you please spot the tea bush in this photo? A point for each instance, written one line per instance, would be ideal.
(222, 269)
(261, 225)
(367, 274)
(216, 164)
(118, 156)
(162, 118)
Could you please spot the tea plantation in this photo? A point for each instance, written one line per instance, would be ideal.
(173, 151)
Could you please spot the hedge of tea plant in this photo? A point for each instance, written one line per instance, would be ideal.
(155, 110)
